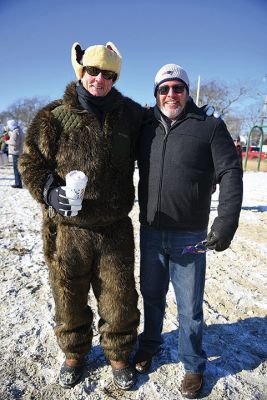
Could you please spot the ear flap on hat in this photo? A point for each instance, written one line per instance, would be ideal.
(79, 53)
(76, 59)
(111, 46)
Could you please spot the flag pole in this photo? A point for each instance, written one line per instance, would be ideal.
(198, 89)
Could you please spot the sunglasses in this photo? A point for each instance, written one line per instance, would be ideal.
(163, 90)
(94, 71)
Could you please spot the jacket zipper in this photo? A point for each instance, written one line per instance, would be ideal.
(161, 172)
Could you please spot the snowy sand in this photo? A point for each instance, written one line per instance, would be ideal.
(235, 335)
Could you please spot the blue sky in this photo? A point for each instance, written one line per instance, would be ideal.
(224, 40)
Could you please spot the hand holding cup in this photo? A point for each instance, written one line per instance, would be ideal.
(76, 182)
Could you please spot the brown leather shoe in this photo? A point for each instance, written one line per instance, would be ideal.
(143, 361)
(192, 385)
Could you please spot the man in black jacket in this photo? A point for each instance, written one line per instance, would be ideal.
(179, 151)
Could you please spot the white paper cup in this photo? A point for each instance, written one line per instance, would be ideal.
(76, 182)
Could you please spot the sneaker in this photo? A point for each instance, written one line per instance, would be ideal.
(16, 186)
(124, 378)
(69, 376)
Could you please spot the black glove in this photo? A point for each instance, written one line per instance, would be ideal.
(55, 196)
(61, 204)
(217, 242)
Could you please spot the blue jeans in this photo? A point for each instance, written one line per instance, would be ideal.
(162, 261)
(16, 171)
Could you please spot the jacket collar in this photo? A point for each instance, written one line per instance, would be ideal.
(191, 110)
(70, 98)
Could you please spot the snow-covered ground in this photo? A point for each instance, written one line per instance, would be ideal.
(235, 336)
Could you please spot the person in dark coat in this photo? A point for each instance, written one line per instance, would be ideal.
(238, 147)
(179, 151)
(88, 244)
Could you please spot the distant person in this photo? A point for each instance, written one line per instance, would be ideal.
(238, 147)
(6, 137)
(15, 147)
(3, 150)
(179, 151)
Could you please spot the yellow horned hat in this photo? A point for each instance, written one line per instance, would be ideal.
(104, 57)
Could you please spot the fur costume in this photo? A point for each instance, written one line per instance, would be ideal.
(95, 248)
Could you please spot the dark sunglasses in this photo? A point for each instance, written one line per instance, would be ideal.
(94, 71)
(176, 88)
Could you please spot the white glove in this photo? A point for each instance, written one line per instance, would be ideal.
(210, 110)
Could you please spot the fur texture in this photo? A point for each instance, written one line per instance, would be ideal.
(96, 248)
(104, 260)
(105, 154)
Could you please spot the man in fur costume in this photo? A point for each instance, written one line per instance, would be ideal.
(92, 129)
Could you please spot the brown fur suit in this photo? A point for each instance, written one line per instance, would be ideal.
(95, 248)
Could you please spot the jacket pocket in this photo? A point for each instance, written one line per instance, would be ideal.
(180, 201)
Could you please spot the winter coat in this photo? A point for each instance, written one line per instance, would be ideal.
(65, 137)
(15, 142)
(177, 164)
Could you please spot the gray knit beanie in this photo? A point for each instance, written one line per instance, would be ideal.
(170, 72)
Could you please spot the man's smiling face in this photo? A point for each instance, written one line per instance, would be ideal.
(172, 104)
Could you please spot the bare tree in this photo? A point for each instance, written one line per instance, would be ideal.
(4, 116)
(221, 96)
(234, 124)
(228, 100)
(252, 115)
(23, 110)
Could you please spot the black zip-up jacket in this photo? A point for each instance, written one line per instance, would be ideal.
(176, 166)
